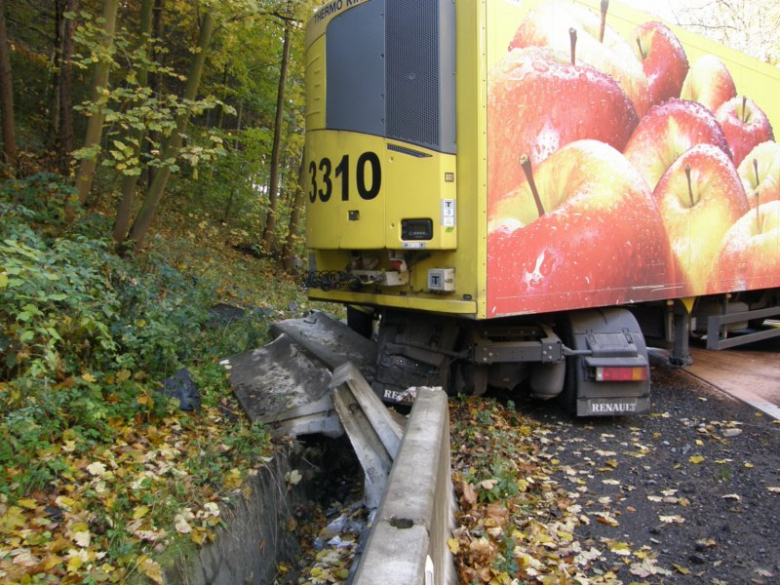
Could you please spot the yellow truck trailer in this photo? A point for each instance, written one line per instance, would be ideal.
(520, 192)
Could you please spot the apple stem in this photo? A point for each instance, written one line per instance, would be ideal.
(525, 162)
(690, 186)
(755, 170)
(573, 44)
(641, 51)
(604, 8)
(744, 109)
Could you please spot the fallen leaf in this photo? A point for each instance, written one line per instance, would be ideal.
(696, 459)
(152, 570)
(181, 524)
(97, 468)
(682, 570)
(83, 539)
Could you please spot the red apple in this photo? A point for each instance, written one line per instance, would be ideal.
(667, 131)
(745, 126)
(700, 197)
(548, 25)
(750, 254)
(592, 236)
(709, 83)
(538, 102)
(760, 173)
(663, 60)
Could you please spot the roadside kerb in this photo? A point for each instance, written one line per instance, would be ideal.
(407, 544)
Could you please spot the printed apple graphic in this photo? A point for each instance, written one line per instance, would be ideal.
(538, 102)
(598, 45)
(583, 230)
(700, 197)
(750, 257)
(667, 131)
(760, 173)
(745, 126)
(709, 83)
(663, 60)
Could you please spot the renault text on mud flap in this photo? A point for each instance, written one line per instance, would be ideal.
(616, 407)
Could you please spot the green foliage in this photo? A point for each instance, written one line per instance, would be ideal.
(86, 336)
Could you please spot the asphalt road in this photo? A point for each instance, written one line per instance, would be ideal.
(750, 373)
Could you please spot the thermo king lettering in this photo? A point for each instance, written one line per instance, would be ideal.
(329, 9)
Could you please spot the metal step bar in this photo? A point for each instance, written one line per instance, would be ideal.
(715, 322)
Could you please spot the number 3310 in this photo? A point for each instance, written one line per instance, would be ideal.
(323, 175)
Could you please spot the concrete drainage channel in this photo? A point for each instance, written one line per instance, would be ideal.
(310, 380)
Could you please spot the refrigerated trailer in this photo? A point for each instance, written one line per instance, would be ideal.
(519, 193)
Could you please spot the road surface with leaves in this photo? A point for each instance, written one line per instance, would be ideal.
(689, 493)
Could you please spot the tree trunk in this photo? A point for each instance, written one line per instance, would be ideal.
(154, 79)
(56, 67)
(65, 101)
(7, 96)
(288, 253)
(129, 182)
(173, 143)
(99, 87)
(270, 220)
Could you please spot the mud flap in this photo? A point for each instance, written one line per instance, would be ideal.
(613, 340)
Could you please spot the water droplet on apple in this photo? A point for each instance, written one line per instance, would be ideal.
(541, 66)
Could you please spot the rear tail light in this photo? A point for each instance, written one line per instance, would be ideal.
(621, 374)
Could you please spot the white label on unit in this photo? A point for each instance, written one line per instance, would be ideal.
(448, 212)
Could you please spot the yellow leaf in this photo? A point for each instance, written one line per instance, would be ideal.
(28, 503)
(696, 459)
(682, 570)
(82, 539)
(88, 378)
(65, 502)
(140, 512)
(454, 545)
(198, 536)
(123, 375)
(97, 468)
(152, 570)
(74, 564)
(620, 548)
(748, 465)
